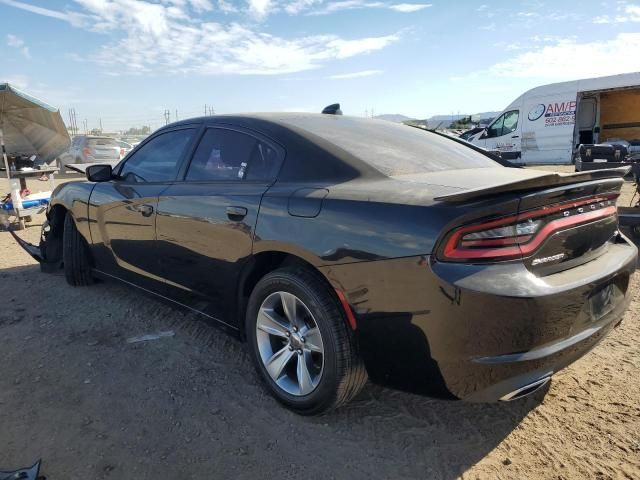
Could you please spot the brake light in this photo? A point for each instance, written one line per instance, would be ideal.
(514, 236)
(86, 151)
(121, 152)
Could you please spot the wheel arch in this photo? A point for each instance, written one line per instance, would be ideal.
(260, 265)
(51, 241)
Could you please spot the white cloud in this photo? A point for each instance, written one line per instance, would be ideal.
(21, 82)
(626, 13)
(167, 37)
(333, 7)
(409, 7)
(490, 27)
(201, 5)
(17, 42)
(226, 7)
(35, 9)
(364, 73)
(260, 8)
(567, 59)
(298, 6)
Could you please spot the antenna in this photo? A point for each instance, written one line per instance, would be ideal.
(333, 109)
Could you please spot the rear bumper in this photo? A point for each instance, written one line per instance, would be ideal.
(480, 333)
(629, 221)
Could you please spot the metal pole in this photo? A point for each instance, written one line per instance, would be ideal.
(4, 154)
(14, 185)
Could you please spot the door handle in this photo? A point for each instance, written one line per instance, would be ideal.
(236, 213)
(515, 136)
(144, 209)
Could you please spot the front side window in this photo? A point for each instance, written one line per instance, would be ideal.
(510, 122)
(506, 123)
(227, 155)
(495, 130)
(157, 160)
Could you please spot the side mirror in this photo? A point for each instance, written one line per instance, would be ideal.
(99, 173)
(485, 133)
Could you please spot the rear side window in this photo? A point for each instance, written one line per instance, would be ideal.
(158, 160)
(228, 155)
(393, 149)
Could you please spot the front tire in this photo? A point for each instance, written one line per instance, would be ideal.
(75, 255)
(300, 343)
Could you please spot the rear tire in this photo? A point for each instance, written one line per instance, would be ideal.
(332, 381)
(75, 255)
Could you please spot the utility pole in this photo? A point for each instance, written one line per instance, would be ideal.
(100, 119)
(167, 117)
(176, 114)
(205, 109)
(73, 124)
(86, 126)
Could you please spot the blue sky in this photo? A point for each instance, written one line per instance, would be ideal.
(126, 61)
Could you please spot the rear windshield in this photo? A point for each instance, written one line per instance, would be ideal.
(391, 148)
(102, 142)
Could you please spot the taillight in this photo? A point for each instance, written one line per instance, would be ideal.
(86, 151)
(514, 236)
(121, 152)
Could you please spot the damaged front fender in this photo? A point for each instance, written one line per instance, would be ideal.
(31, 249)
(49, 252)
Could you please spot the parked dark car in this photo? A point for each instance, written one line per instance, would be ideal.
(343, 249)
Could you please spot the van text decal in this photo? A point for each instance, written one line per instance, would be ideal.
(560, 113)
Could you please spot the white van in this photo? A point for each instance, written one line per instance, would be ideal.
(546, 124)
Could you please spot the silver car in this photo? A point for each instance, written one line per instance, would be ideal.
(91, 149)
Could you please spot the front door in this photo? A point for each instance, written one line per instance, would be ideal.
(206, 222)
(503, 135)
(122, 212)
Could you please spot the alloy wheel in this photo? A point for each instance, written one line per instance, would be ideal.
(290, 343)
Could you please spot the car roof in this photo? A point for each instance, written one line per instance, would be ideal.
(318, 142)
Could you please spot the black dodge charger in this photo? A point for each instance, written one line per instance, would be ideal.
(344, 249)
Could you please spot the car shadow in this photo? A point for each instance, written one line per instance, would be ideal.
(382, 433)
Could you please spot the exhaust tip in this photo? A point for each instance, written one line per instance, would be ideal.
(526, 390)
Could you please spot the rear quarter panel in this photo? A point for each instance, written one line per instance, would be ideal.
(364, 221)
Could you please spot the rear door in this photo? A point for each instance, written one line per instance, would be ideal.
(206, 222)
(123, 211)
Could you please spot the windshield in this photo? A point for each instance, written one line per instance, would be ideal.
(394, 149)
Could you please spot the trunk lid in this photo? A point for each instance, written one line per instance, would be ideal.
(562, 220)
(581, 220)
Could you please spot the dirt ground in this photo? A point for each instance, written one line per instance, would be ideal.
(74, 393)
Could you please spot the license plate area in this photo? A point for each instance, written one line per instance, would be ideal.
(603, 300)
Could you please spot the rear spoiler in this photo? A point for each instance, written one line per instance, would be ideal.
(543, 181)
